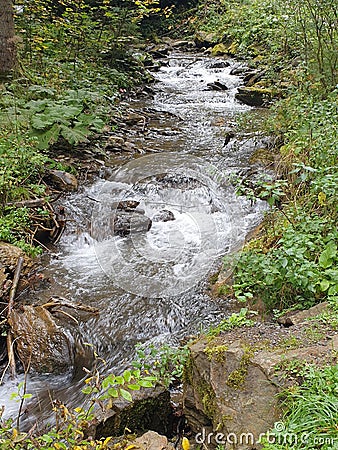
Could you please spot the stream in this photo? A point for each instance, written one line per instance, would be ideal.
(152, 286)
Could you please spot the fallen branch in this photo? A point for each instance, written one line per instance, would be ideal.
(61, 301)
(29, 203)
(10, 351)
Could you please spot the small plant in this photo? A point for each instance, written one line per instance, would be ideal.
(115, 386)
(165, 363)
(236, 320)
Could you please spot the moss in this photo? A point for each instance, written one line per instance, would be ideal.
(214, 278)
(187, 375)
(237, 378)
(217, 352)
(207, 397)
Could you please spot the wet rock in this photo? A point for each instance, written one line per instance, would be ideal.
(239, 70)
(114, 143)
(219, 50)
(182, 44)
(128, 205)
(153, 441)
(159, 51)
(227, 138)
(125, 223)
(163, 216)
(231, 386)
(129, 147)
(149, 410)
(204, 39)
(63, 180)
(217, 86)
(40, 341)
(254, 96)
(298, 317)
(252, 78)
(134, 118)
(219, 65)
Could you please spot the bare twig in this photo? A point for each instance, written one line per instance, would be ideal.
(61, 301)
(23, 394)
(10, 351)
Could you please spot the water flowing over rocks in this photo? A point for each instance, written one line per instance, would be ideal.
(149, 287)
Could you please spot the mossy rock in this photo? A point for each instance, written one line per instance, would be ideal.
(205, 39)
(254, 96)
(219, 50)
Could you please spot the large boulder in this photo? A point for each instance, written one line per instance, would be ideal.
(205, 39)
(149, 410)
(254, 96)
(125, 223)
(40, 342)
(62, 180)
(231, 383)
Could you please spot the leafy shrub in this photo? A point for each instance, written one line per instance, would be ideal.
(299, 268)
(165, 363)
(71, 116)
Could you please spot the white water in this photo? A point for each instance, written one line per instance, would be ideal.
(152, 286)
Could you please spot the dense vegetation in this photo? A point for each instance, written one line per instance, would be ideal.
(294, 263)
(72, 61)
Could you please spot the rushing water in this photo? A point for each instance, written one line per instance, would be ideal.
(151, 286)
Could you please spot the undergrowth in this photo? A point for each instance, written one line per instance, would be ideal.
(311, 416)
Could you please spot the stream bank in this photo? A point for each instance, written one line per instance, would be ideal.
(158, 294)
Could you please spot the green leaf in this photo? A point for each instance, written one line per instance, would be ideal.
(76, 134)
(134, 387)
(333, 290)
(127, 375)
(137, 373)
(27, 396)
(87, 390)
(126, 395)
(113, 392)
(108, 381)
(146, 383)
(324, 285)
(42, 121)
(326, 258)
(119, 380)
(48, 137)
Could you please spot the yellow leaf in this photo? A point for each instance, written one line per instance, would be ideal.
(322, 198)
(185, 443)
(106, 441)
(130, 447)
(14, 434)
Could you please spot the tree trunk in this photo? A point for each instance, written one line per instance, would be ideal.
(7, 41)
